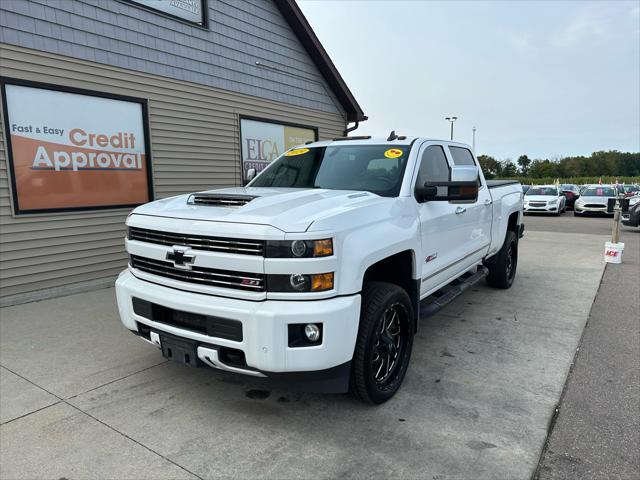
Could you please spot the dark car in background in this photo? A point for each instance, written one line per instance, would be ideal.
(631, 218)
(571, 193)
(631, 190)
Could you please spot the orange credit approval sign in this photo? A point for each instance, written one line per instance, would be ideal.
(75, 151)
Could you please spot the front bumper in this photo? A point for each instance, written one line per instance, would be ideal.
(545, 209)
(584, 209)
(264, 330)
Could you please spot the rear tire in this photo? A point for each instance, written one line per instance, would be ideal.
(384, 343)
(502, 267)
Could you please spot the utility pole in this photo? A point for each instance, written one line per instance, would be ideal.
(474, 139)
(451, 120)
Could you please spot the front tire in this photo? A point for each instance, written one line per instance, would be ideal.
(384, 343)
(502, 268)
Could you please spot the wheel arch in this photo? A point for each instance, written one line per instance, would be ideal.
(398, 269)
(512, 223)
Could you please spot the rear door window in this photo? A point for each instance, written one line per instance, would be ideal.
(461, 156)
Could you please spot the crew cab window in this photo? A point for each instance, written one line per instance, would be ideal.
(461, 156)
(433, 166)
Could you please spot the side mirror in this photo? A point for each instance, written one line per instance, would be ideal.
(251, 174)
(463, 186)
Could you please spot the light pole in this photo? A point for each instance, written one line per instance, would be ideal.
(451, 120)
(474, 139)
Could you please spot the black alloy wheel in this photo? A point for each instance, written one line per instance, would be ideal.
(384, 343)
(502, 266)
(511, 261)
(390, 342)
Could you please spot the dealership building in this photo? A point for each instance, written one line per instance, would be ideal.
(107, 104)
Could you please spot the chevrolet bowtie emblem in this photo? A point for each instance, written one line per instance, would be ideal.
(180, 258)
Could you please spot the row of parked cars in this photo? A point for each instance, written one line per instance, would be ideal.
(592, 199)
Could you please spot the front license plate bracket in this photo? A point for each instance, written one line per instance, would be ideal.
(179, 350)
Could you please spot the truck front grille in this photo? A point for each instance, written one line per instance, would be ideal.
(212, 277)
(198, 242)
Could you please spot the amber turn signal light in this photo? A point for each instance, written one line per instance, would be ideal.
(322, 248)
(321, 282)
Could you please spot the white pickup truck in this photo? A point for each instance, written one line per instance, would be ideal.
(315, 274)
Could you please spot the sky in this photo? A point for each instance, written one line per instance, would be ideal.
(543, 78)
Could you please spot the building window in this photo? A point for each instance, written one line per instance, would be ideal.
(75, 150)
(262, 141)
(192, 11)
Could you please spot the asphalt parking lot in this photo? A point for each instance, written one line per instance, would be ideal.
(83, 398)
(597, 431)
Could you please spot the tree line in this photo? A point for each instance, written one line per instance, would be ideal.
(599, 164)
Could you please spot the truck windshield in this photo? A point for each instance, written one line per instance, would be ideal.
(375, 168)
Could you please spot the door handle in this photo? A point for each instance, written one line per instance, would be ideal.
(487, 202)
(460, 210)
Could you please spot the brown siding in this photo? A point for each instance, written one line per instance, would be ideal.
(194, 146)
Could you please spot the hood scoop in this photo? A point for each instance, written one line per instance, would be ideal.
(219, 200)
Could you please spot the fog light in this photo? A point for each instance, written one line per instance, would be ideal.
(312, 332)
(299, 282)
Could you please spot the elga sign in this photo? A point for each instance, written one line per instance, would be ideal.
(72, 151)
(189, 10)
(262, 142)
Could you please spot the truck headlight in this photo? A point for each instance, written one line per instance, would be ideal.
(299, 248)
(299, 282)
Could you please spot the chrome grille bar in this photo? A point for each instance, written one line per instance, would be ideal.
(206, 276)
(198, 242)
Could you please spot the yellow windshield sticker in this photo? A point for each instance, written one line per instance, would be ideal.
(393, 153)
(296, 151)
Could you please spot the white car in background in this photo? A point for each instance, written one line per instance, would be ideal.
(545, 199)
(594, 199)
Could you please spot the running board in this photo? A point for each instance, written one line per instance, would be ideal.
(436, 301)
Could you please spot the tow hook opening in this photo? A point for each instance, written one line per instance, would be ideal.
(232, 357)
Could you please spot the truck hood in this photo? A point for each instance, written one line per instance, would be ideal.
(288, 209)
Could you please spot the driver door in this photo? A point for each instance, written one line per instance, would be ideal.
(438, 222)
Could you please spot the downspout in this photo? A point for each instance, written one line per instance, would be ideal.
(351, 129)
